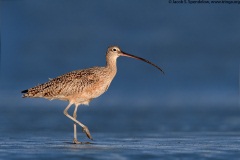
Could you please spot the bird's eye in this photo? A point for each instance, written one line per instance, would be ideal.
(114, 49)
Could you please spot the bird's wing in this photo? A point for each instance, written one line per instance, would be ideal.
(77, 81)
(64, 85)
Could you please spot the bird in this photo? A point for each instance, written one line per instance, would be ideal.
(79, 87)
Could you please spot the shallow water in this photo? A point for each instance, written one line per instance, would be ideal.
(121, 133)
(178, 145)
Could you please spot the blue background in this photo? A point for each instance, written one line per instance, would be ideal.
(197, 45)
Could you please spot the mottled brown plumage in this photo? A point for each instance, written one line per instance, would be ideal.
(81, 86)
(78, 86)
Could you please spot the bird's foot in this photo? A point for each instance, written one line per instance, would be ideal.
(86, 131)
(75, 141)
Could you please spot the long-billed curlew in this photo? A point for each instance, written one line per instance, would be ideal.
(81, 86)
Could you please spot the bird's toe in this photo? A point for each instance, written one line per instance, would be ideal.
(75, 141)
(86, 131)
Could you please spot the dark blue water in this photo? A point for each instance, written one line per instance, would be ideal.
(196, 45)
(191, 112)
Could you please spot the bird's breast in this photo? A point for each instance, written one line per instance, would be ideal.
(91, 86)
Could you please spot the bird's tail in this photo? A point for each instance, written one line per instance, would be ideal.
(35, 92)
(25, 93)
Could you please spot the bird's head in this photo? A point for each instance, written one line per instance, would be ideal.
(115, 52)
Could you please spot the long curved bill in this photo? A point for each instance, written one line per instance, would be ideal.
(142, 59)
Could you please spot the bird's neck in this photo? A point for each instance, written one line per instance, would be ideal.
(111, 65)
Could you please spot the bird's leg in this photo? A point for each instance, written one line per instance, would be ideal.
(75, 126)
(85, 129)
